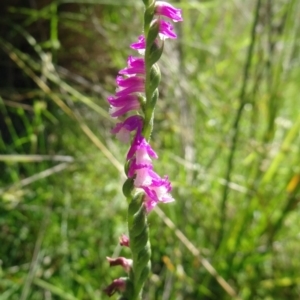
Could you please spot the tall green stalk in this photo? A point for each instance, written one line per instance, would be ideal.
(138, 89)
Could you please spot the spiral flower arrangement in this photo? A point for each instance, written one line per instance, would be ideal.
(136, 97)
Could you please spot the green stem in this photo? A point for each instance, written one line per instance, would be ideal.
(137, 215)
(139, 245)
(149, 114)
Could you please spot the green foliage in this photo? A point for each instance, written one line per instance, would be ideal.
(226, 131)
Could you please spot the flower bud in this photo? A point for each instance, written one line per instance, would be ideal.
(118, 285)
(124, 240)
(120, 261)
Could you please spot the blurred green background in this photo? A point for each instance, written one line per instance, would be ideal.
(226, 131)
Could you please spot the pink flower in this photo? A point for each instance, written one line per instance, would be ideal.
(140, 154)
(151, 202)
(146, 177)
(165, 9)
(134, 84)
(142, 174)
(156, 189)
(135, 65)
(123, 129)
(166, 30)
(126, 86)
(129, 81)
(134, 167)
(140, 45)
(124, 240)
(116, 285)
(157, 192)
(141, 149)
(137, 87)
(120, 261)
(122, 105)
(125, 99)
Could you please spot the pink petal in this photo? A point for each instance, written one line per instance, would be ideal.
(165, 9)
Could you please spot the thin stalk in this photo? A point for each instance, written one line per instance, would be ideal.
(236, 124)
(149, 114)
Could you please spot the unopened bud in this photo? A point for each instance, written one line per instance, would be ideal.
(124, 240)
(120, 261)
(118, 285)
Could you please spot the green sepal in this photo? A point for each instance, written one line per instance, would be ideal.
(131, 275)
(155, 53)
(134, 207)
(147, 2)
(126, 167)
(141, 99)
(128, 187)
(152, 86)
(145, 272)
(152, 35)
(154, 99)
(144, 256)
(138, 224)
(139, 242)
(127, 295)
(148, 124)
(149, 15)
(140, 263)
(155, 77)
(143, 276)
(149, 110)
